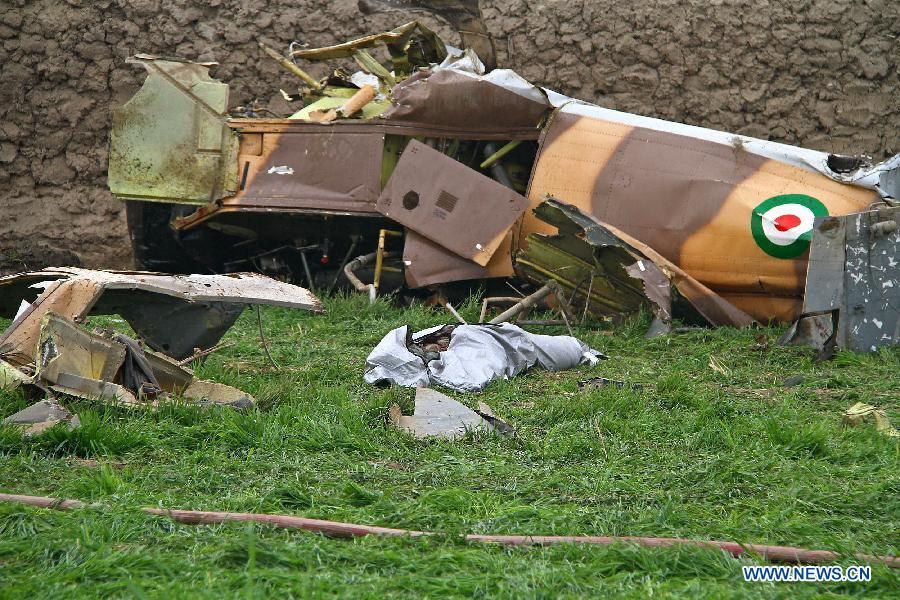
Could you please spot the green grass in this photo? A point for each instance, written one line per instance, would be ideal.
(698, 454)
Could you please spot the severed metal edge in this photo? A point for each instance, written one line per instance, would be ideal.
(852, 295)
(585, 250)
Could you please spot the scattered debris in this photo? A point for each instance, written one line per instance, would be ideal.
(47, 348)
(793, 381)
(762, 343)
(173, 314)
(338, 529)
(474, 355)
(455, 314)
(852, 298)
(41, 416)
(716, 366)
(861, 412)
(604, 382)
(440, 416)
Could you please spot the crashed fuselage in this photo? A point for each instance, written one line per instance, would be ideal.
(735, 213)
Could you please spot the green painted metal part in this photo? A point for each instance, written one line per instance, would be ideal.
(171, 142)
(584, 259)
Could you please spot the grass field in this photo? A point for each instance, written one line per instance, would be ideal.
(699, 453)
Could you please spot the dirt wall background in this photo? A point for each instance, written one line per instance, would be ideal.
(823, 74)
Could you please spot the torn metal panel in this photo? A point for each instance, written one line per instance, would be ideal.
(463, 15)
(439, 416)
(852, 296)
(427, 263)
(449, 97)
(171, 141)
(177, 328)
(75, 385)
(116, 369)
(66, 348)
(41, 416)
(335, 168)
(620, 273)
(411, 45)
(449, 203)
(200, 307)
(736, 220)
(11, 377)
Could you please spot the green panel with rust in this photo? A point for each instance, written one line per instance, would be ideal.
(171, 141)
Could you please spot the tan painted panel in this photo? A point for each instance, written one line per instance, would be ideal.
(690, 200)
(573, 153)
(724, 254)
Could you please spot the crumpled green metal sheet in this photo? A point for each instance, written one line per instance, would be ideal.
(171, 142)
(615, 274)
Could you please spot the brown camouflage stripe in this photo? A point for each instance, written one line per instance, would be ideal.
(689, 199)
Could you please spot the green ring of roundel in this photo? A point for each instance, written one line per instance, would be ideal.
(795, 248)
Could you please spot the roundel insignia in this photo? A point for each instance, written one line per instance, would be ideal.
(782, 225)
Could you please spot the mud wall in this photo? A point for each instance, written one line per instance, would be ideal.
(823, 74)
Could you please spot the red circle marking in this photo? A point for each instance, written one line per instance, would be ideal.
(785, 222)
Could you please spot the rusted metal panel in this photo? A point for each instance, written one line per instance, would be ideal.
(449, 203)
(316, 169)
(171, 142)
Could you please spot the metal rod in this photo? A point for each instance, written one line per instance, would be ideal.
(340, 529)
(587, 300)
(354, 241)
(306, 271)
(202, 353)
(506, 149)
(379, 254)
(262, 338)
(290, 66)
(526, 303)
(453, 312)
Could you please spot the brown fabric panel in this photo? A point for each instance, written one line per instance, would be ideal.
(662, 187)
(444, 98)
(331, 170)
(449, 203)
(428, 263)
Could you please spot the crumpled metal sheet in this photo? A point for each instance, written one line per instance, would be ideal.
(852, 297)
(113, 368)
(41, 416)
(439, 416)
(615, 273)
(450, 97)
(477, 355)
(174, 313)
